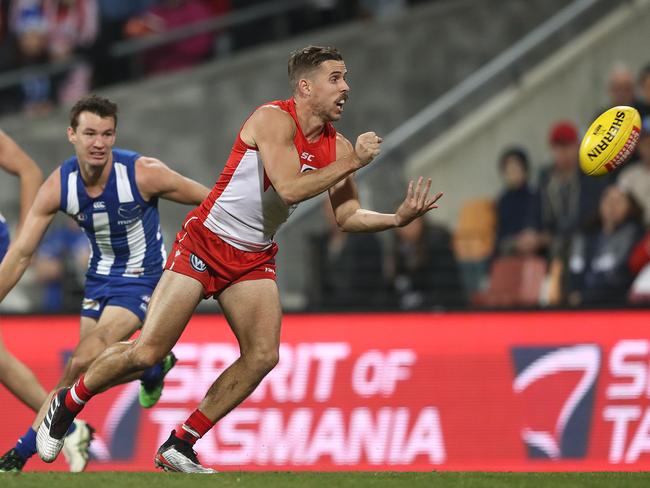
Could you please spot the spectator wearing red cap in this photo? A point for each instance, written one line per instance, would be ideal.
(564, 135)
(567, 198)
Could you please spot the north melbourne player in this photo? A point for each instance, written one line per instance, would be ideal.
(286, 152)
(113, 195)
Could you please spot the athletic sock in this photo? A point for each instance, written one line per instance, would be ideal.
(71, 429)
(194, 427)
(26, 445)
(152, 376)
(77, 396)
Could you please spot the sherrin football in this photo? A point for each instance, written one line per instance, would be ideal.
(610, 140)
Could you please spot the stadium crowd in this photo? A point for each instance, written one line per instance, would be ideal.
(74, 40)
(589, 232)
(559, 238)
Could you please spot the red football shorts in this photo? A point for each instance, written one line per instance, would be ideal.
(202, 255)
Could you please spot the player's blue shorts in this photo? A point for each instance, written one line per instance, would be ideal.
(4, 237)
(102, 292)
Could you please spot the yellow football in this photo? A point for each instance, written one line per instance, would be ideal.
(610, 140)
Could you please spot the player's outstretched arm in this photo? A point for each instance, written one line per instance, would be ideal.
(352, 218)
(272, 131)
(14, 160)
(155, 179)
(38, 219)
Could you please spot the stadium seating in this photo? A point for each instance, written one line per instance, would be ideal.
(473, 242)
(515, 281)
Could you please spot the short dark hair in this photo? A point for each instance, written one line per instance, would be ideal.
(308, 58)
(517, 152)
(94, 104)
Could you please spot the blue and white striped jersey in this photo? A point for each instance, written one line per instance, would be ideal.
(123, 229)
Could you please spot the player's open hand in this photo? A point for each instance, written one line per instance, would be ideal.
(416, 203)
(367, 147)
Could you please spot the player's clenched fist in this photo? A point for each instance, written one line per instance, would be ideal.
(367, 147)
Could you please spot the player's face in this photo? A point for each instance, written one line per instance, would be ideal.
(93, 138)
(329, 90)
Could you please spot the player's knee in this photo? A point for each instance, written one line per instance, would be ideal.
(79, 364)
(85, 353)
(263, 360)
(146, 356)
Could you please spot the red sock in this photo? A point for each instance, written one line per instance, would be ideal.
(194, 427)
(77, 396)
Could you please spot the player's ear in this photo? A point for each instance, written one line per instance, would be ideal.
(72, 137)
(304, 87)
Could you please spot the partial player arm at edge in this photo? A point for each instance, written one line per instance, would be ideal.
(352, 218)
(155, 179)
(273, 132)
(14, 160)
(39, 217)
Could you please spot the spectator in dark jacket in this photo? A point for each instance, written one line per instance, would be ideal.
(347, 268)
(599, 255)
(423, 268)
(516, 201)
(567, 198)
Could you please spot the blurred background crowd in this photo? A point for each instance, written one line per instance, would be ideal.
(84, 37)
(550, 236)
(555, 237)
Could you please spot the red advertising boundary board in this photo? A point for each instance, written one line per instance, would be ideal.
(548, 391)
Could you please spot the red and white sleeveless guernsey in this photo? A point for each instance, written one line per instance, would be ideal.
(243, 209)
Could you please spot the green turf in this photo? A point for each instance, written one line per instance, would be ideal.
(330, 480)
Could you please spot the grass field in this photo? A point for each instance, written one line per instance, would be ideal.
(335, 480)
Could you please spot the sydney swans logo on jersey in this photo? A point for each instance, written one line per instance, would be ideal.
(562, 379)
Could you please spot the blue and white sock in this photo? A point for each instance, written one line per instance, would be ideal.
(152, 376)
(26, 445)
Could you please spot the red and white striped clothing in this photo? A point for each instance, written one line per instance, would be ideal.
(243, 208)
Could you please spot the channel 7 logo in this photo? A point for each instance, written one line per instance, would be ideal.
(555, 387)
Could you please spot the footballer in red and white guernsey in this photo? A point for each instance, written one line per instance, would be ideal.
(286, 152)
